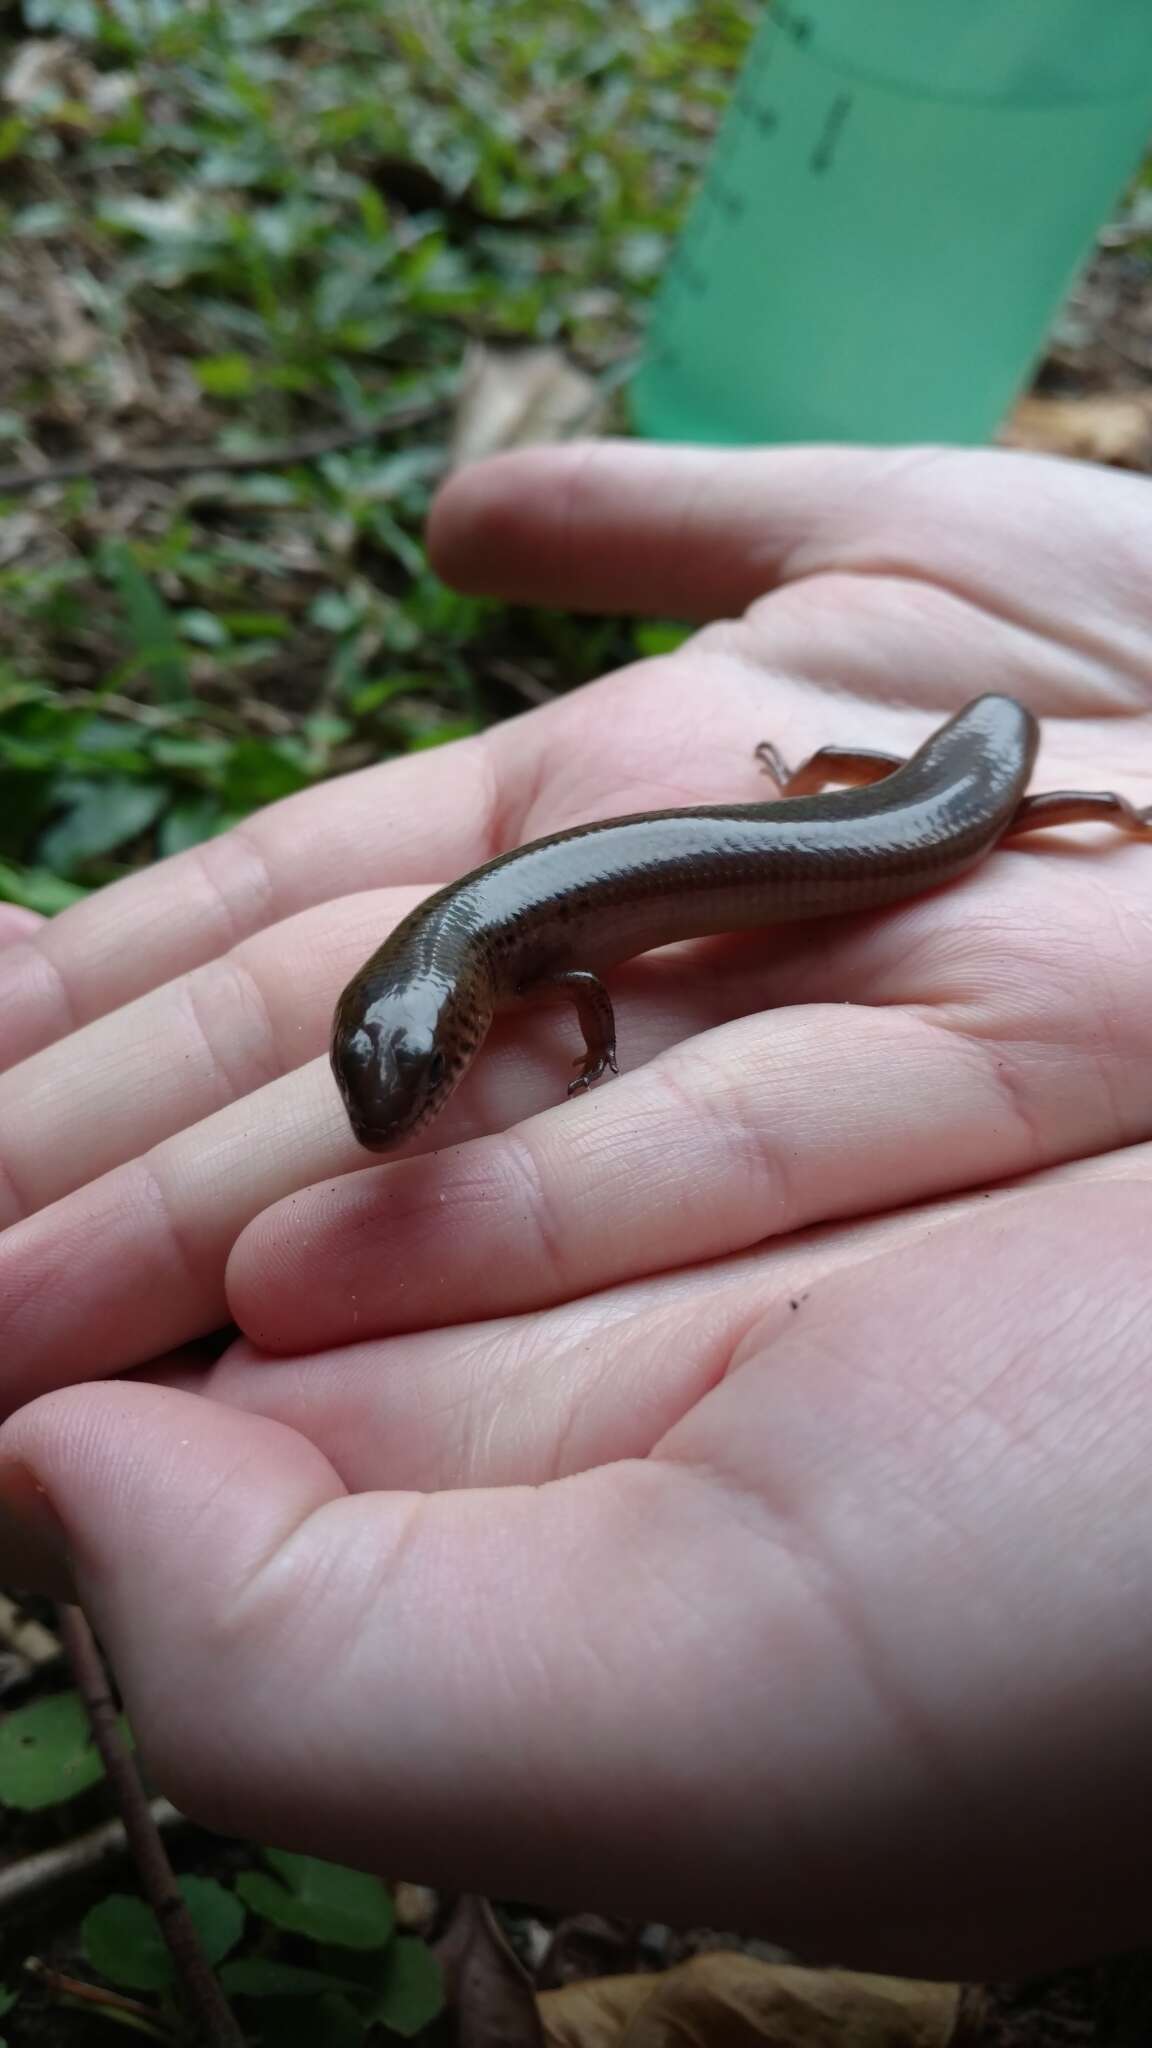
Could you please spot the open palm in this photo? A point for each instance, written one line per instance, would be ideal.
(652, 1551)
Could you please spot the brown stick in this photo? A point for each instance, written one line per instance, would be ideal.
(203, 1997)
(187, 461)
(95, 1994)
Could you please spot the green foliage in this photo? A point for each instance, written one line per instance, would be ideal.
(239, 260)
(257, 1977)
(322, 1900)
(359, 1976)
(123, 1942)
(151, 629)
(46, 1753)
(411, 1991)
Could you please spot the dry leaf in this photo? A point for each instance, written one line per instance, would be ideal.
(43, 66)
(489, 1988)
(28, 1638)
(512, 397)
(734, 2001)
(1095, 429)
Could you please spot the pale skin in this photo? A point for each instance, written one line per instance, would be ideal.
(578, 1530)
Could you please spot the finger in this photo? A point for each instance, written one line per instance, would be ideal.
(416, 819)
(17, 923)
(691, 1678)
(517, 1400)
(129, 1079)
(753, 1130)
(132, 1263)
(520, 1400)
(120, 1085)
(598, 753)
(701, 533)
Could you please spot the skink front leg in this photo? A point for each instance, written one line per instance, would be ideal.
(593, 1006)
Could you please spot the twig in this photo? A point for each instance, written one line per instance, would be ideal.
(35, 1874)
(188, 461)
(97, 1994)
(202, 1993)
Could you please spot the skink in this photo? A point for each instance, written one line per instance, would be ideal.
(545, 918)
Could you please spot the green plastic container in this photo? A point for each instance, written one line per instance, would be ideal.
(900, 197)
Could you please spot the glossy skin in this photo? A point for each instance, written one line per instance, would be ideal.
(545, 917)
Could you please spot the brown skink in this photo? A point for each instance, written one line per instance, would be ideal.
(545, 918)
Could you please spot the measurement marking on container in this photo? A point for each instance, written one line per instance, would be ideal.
(731, 202)
(825, 150)
(793, 23)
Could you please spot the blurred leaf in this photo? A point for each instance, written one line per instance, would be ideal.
(487, 1983)
(100, 817)
(440, 735)
(232, 376)
(46, 1753)
(258, 771)
(657, 636)
(254, 1977)
(37, 889)
(731, 2000)
(323, 1900)
(123, 1942)
(412, 1991)
(154, 631)
(13, 133)
(190, 821)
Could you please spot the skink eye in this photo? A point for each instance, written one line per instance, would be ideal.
(436, 1066)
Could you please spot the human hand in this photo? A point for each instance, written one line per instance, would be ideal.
(805, 1593)
(988, 1030)
(678, 1595)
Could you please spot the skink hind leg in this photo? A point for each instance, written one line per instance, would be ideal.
(1078, 807)
(856, 765)
(593, 1006)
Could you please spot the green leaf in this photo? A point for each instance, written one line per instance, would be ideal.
(37, 889)
(259, 771)
(412, 1990)
(7, 1999)
(440, 735)
(101, 816)
(254, 1977)
(660, 636)
(230, 376)
(323, 1900)
(13, 133)
(154, 630)
(190, 822)
(46, 1753)
(217, 1915)
(123, 1942)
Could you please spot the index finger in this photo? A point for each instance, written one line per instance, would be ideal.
(323, 842)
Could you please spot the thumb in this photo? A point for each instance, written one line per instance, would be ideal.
(463, 1685)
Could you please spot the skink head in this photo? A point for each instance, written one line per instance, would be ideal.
(398, 1050)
